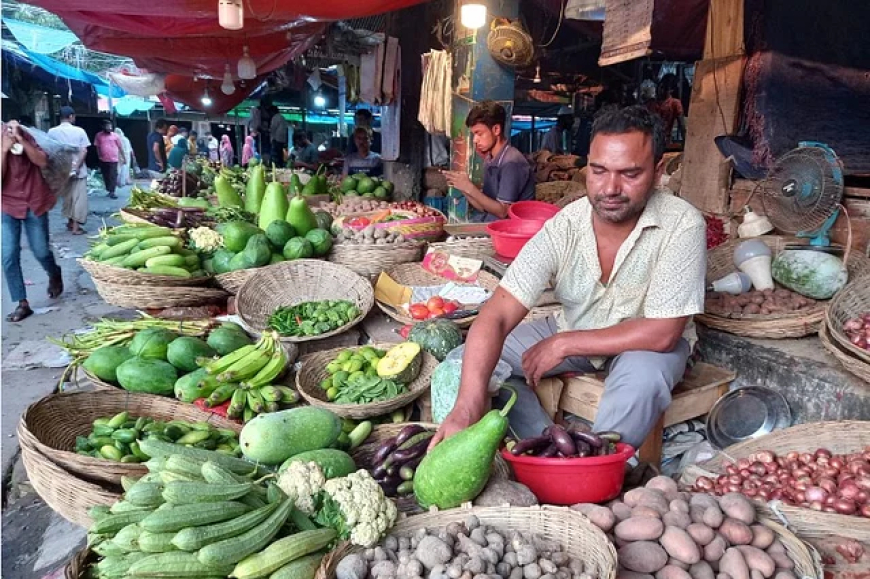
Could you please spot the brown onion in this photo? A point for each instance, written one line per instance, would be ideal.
(823, 452)
(816, 494)
(862, 497)
(743, 464)
(828, 485)
(845, 506)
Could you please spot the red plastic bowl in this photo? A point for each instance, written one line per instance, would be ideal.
(510, 235)
(532, 211)
(566, 481)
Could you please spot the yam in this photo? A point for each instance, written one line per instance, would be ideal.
(758, 560)
(680, 545)
(664, 484)
(738, 507)
(677, 519)
(639, 529)
(601, 517)
(701, 534)
(714, 550)
(736, 532)
(643, 557)
(762, 537)
(647, 498)
(701, 570)
(734, 564)
(713, 517)
(672, 572)
(644, 511)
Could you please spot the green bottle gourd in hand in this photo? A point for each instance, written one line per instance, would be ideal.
(455, 471)
(274, 205)
(255, 190)
(300, 216)
(227, 196)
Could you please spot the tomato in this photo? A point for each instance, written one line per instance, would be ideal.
(435, 302)
(450, 307)
(359, 222)
(435, 312)
(405, 330)
(419, 311)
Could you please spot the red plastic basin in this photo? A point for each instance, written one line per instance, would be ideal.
(510, 235)
(532, 210)
(566, 481)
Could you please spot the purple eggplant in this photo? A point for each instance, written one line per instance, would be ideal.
(550, 451)
(403, 455)
(583, 449)
(390, 484)
(384, 451)
(592, 440)
(379, 472)
(563, 441)
(407, 432)
(532, 445)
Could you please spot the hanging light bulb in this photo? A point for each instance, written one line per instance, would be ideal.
(472, 15)
(227, 86)
(537, 79)
(206, 99)
(247, 66)
(231, 14)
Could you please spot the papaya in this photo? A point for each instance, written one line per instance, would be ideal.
(224, 340)
(183, 352)
(236, 234)
(279, 233)
(103, 362)
(152, 343)
(147, 375)
(240, 261)
(258, 250)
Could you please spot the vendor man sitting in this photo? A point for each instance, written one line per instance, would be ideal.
(507, 175)
(627, 264)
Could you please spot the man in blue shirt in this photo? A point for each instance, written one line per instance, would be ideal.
(507, 175)
(156, 149)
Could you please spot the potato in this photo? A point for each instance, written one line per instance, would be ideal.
(736, 532)
(672, 572)
(647, 498)
(755, 574)
(621, 510)
(701, 534)
(782, 560)
(642, 511)
(639, 529)
(703, 500)
(723, 576)
(696, 513)
(679, 506)
(734, 564)
(757, 559)
(601, 517)
(664, 484)
(677, 519)
(738, 507)
(776, 547)
(643, 557)
(680, 545)
(680, 564)
(762, 537)
(715, 549)
(783, 574)
(626, 574)
(701, 570)
(713, 517)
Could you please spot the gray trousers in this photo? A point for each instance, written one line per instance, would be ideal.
(637, 388)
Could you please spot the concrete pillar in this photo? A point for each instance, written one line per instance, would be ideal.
(476, 77)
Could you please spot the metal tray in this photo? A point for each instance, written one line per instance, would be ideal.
(746, 413)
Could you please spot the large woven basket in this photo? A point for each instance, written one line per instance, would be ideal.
(852, 301)
(98, 383)
(370, 260)
(470, 247)
(233, 281)
(50, 426)
(77, 567)
(720, 262)
(65, 493)
(120, 275)
(578, 536)
(302, 280)
(313, 371)
(854, 365)
(840, 437)
(413, 274)
(140, 297)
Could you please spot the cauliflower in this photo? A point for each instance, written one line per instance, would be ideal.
(206, 239)
(355, 506)
(302, 482)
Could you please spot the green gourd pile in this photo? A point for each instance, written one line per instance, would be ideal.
(147, 249)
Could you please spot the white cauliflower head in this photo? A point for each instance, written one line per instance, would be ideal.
(301, 482)
(368, 514)
(206, 239)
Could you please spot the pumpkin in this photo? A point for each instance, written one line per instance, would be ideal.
(438, 337)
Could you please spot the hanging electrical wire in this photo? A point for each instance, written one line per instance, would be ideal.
(558, 26)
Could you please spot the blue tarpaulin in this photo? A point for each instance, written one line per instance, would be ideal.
(39, 39)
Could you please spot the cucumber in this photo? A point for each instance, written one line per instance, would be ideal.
(172, 259)
(115, 260)
(156, 542)
(281, 552)
(139, 258)
(183, 493)
(118, 238)
(168, 241)
(231, 551)
(140, 231)
(176, 517)
(191, 260)
(122, 248)
(177, 565)
(145, 495)
(166, 270)
(195, 538)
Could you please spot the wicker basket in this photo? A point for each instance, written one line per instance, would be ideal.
(119, 275)
(50, 426)
(840, 437)
(313, 371)
(851, 301)
(470, 247)
(553, 191)
(370, 260)
(301, 280)
(414, 228)
(98, 383)
(413, 274)
(232, 282)
(854, 365)
(77, 567)
(66, 494)
(140, 297)
(578, 536)
(720, 262)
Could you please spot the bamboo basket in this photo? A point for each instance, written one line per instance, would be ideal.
(553, 191)
(302, 280)
(370, 260)
(119, 275)
(414, 227)
(66, 494)
(98, 383)
(849, 362)
(840, 437)
(413, 274)
(140, 297)
(77, 567)
(50, 426)
(233, 281)
(579, 538)
(470, 247)
(852, 301)
(313, 371)
(720, 262)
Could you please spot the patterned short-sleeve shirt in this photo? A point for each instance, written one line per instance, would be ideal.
(658, 272)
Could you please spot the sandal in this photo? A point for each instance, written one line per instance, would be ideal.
(55, 286)
(20, 313)
(79, 232)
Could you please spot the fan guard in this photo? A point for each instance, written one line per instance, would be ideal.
(510, 44)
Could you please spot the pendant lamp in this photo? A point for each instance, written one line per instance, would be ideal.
(227, 86)
(247, 66)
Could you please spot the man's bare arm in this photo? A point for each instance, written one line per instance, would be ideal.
(654, 335)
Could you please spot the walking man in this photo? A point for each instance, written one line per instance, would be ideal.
(27, 200)
(110, 150)
(75, 195)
